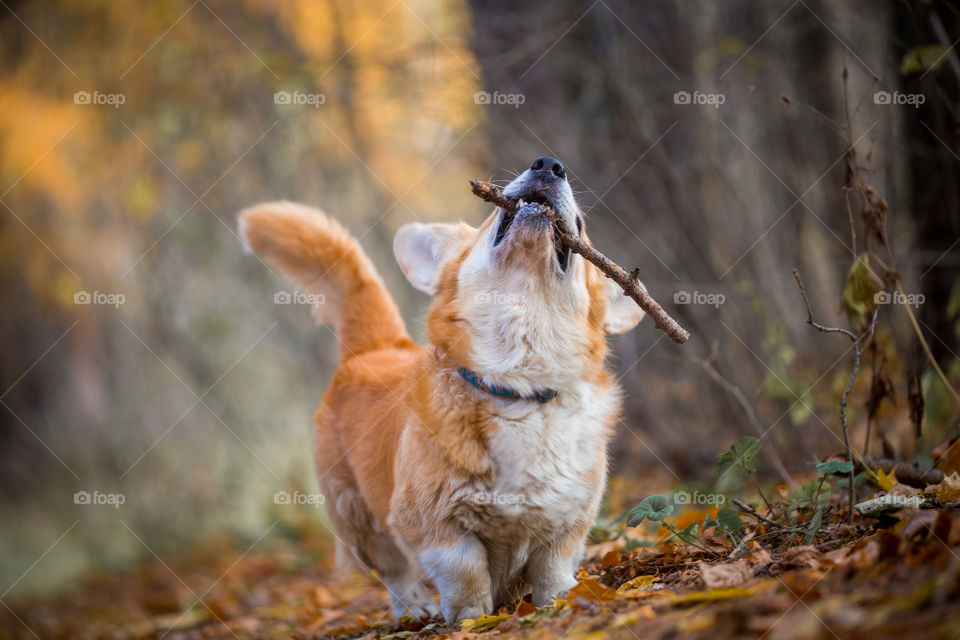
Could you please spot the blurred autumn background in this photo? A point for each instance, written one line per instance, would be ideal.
(131, 134)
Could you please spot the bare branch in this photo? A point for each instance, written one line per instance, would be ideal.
(857, 351)
(819, 327)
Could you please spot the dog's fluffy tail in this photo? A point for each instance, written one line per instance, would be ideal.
(327, 263)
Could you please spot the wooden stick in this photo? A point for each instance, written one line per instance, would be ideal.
(627, 281)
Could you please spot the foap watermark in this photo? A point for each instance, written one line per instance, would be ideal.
(698, 498)
(712, 99)
(485, 97)
(698, 297)
(910, 99)
(296, 297)
(895, 297)
(96, 98)
(299, 98)
(499, 499)
(97, 498)
(900, 501)
(98, 297)
(314, 500)
(496, 297)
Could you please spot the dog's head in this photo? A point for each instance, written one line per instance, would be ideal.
(510, 301)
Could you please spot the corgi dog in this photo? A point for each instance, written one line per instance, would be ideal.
(477, 461)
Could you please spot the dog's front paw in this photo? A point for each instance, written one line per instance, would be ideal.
(545, 595)
(455, 616)
(424, 610)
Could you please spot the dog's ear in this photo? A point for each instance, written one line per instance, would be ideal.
(421, 249)
(623, 313)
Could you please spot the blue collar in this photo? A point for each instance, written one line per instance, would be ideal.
(504, 392)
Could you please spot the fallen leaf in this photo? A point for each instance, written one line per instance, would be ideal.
(884, 480)
(947, 490)
(728, 574)
(486, 622)
(721, 594)
(639, 583)
(591, 591)
(760, 557)
(611, 559)
(904, 490)
(806, 556)
(947, 456)
(512, 623)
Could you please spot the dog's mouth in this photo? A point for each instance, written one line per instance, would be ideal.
(507, 218)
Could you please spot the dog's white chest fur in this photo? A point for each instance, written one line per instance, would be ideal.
(543, 457)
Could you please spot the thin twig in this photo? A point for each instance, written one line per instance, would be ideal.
(627, 281)
(747, 508)
(743, 541)
(853, 376)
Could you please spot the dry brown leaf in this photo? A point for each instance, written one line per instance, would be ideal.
(722, 594)
(903, 491)
(948, 456)
(640, 583)
(726, 575)
(591, 591)
(610, 559)
(806, 556)
(596, 552)
(513, 622)
(760, 557)
(921, 520)
(947, 490)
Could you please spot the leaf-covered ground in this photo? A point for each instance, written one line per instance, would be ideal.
(893, 578)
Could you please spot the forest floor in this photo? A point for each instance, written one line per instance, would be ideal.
(895, 577)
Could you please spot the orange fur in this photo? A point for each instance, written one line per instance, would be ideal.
(321, 256)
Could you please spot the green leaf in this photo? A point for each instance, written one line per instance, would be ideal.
(922, 58)
(835, 466)
(653, 508)
(742, 453)
(815, 522)
(687, 535)
(729, 518)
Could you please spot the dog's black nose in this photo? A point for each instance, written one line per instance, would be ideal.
(546, 163)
